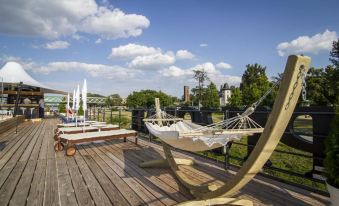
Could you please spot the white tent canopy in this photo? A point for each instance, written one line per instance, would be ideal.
(13, 73)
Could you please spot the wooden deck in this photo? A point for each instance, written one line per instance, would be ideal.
(107, 173)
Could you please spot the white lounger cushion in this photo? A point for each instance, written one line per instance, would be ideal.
(83, 129)
(80, 124)
(96, 134)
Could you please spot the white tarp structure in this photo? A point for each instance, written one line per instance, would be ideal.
(13, 73)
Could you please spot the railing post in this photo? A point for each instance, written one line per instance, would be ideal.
(103, 115)
(119, 118)
(226, 151)
(111, 118)
(98, 114)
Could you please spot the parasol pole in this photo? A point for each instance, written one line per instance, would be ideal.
(77, 105)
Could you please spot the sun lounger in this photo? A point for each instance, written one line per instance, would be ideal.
(79, 124)
(71, 139)
(76, 130)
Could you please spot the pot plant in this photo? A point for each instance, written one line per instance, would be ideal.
(332, 160)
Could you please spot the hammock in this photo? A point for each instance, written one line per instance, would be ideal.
(176, 136)
(192, 137)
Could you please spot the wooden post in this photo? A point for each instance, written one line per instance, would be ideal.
(103, 115)
(111, 118)
(119, 118)
(158, 110)
(98, 114)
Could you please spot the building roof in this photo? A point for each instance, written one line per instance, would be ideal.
(13, 73)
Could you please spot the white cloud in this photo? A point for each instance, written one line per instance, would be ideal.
(54, 19)
(6, 58)
(114, 24)
(223, 65)
(184, 54)
(95, 70)
(203, 45)
(133, 50)
(215, 75)
(77, 37)
(174, 71)
(98, 41)
(207, 67)
(306, 44)
(56, 45)
(153, 61)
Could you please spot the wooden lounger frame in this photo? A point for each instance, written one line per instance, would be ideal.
(70, 150)
(284, 105)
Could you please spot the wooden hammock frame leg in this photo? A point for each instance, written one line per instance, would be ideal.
(284, 105)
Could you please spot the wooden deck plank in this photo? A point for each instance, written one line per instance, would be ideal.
(97, 193)
(36, 193)
(123, 188)
(141, 190)
(21, 191)
(21, 174)
(65, 187)
(110, 189)
(9, 138)
(143, 180)
(176, 195)
(137, 155)
(12, 160)
(83, 195)
(6, 155)
(51, 194)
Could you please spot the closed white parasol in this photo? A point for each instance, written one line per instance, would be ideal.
(84, 98)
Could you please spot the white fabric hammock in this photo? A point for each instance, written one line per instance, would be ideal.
(185, 136)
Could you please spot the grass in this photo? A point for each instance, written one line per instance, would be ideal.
(124, 120)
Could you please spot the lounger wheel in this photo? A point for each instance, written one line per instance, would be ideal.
(58, 147)
(56, 134)
(70, 151)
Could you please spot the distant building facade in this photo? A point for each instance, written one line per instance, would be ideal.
(225, 94)
(186, 93)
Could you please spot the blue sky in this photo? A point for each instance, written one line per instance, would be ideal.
(122, 46)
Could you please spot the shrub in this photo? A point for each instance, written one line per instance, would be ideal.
(332, 152)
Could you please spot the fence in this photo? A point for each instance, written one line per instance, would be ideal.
(110, 115)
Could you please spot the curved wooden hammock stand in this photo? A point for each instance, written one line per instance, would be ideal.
(285, 102)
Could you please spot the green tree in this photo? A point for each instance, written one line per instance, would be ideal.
(315, 87)
(254, 83)
(62, 107)
(113, 100)
(331, 84)
(201, 76)
(331, 76)
(94, 95)
(334, 54)
(331, 161)
(236, 98)
(145, 98)
(211, 97)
